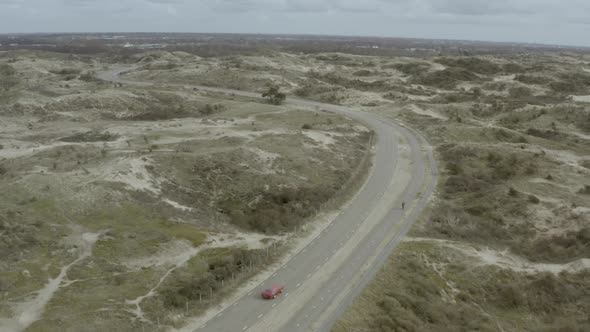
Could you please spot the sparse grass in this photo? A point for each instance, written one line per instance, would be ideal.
(184, 231)
(491, 195)
(416, 293)
(412, 68)
(497, 130)
(473, 64)
(533, 79)
(447, 78)
(91, 136)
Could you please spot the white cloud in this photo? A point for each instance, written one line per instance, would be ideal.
(565, 21)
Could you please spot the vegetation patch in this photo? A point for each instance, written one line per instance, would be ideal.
(91, 136)
(472, 64)
(446, 78)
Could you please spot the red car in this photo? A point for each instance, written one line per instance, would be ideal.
(272, 291)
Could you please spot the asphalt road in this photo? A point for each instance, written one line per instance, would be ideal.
(323, 279)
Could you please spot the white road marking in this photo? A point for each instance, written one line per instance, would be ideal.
(219, 315)
(244, 328)
(302, 251)
(274, 305)
(299, 284)
(286, 295)
(260, 316)
(249, 293)
(273, 275)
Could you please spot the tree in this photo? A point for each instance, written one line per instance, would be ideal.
(274, 96)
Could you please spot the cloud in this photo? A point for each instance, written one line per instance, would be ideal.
(522, 20)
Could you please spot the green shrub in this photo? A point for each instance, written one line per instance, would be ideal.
(66, 71)
(447, 78)
(88, 76)
(8, 77)
(274, 96)
(363, 72)
(91, 136)
(558, 248)
(548, 134)
(532, 79)
(472, 64)
(513, 68)
(519, 92)
(412, 68)
(585, 190)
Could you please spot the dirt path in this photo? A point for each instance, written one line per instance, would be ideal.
(506, 260)
(30, 311)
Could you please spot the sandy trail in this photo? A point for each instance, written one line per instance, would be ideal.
(414, 108)
(506, 260)
(581, 99)
(28, 312)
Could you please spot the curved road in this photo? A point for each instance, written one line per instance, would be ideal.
(323, 278)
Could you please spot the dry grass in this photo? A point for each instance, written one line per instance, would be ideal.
(512, 177)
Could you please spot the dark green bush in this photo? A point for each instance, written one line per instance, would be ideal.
(472, 64)
(534, 199)
(91, 136)
(447, 78)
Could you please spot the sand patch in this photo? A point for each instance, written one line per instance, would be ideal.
(581, 99)
(416, 109)
(506, 260)
(320, 137)
(132, 172)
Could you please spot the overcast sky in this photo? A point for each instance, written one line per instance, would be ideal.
(537, 21)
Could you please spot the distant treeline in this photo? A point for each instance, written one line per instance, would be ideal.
(209, 45)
